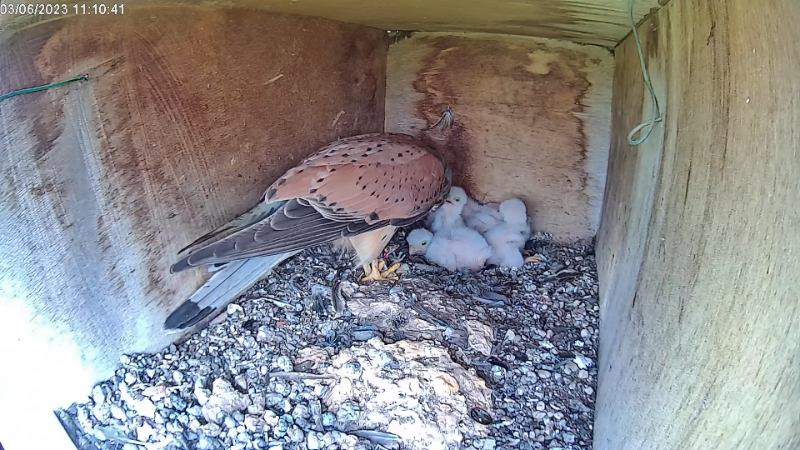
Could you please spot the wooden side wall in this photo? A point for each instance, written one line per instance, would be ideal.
(532, 119)
(188, 116)
(699, 247)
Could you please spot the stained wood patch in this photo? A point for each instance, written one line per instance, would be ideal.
(532, 119)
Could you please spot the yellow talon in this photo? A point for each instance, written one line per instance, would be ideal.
(370, 271)
(374, 272)
(391, 270)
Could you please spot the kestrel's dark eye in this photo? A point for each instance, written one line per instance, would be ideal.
(424, 242)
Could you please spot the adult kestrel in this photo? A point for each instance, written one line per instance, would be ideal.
(354, 191)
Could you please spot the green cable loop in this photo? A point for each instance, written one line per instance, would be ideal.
(656, 111)
(41, 88)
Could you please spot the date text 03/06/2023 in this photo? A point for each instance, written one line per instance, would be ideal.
(56, 9)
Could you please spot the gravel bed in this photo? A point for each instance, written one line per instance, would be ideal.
(311, 358)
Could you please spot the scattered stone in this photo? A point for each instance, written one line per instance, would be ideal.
(328, 419)
(282, 427)
(98, 395)
(254, 424)
(301, 411)
(257, 403)
(284, 363)
(229, 422)
(207, 443)
(144, 407)
(271, 418)
(211, 429)
(177, 403)
(310, 358)
(313, 441)
(348, 412)
(296, 434)
(144, 432)
(480, 337)
(118, 413)
(498, 373)
(224, 399)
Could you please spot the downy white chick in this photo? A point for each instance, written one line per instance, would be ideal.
(505, 241)
(449, 214)
(459, 248)
(513, 211)
(507, 238)
(481, 217)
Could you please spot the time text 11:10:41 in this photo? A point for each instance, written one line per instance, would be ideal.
(98, 9)
(39, 9)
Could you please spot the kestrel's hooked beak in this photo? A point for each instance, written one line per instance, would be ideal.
(413, 250)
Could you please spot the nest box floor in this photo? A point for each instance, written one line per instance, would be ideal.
(312, 358)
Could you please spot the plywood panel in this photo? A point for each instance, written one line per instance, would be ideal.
(699, 241)
(598, 22)
(189, 115)
(532, 119)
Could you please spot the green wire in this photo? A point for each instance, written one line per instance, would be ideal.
(41, 88)
(656, 111)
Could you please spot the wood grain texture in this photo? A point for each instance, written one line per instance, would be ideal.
(532, 119)
(183, 125)
(596, 22)
(699, 242)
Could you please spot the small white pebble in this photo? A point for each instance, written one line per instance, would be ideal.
(284, 363)
(271, 418)
(144, 432)
(118, 413)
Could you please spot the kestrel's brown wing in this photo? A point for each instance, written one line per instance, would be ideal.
(346, 188)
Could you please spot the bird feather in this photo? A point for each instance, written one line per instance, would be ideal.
(348, 187)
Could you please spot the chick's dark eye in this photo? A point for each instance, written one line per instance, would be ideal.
(424, 242)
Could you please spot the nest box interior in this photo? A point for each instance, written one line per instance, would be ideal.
(193, 108)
